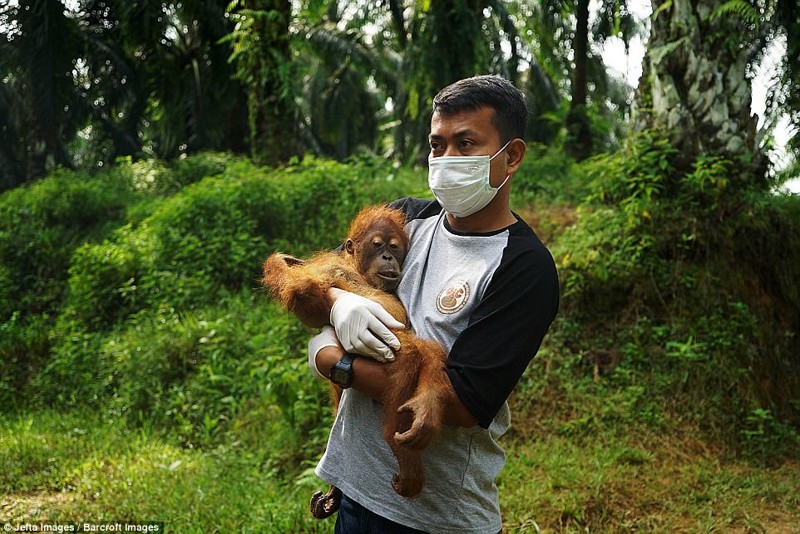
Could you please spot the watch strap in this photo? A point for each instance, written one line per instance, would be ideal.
(341, 373)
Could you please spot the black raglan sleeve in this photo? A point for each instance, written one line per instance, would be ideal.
(506, 330)
(416, 208)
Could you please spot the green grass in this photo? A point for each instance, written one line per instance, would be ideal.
(78, 467)
(70, 468)
(183, 396)
(643, 482)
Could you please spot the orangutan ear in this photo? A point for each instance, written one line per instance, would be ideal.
(348, 246)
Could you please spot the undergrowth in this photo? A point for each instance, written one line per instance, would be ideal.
(144, 373)
(147, 304)
(678, 297)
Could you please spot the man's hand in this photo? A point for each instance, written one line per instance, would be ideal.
(362, 326)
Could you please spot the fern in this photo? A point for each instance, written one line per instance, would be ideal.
(739, 8)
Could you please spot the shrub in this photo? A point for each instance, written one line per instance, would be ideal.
(195, 371)
(70, 373)
(549, 175)
(163, 323)
(669, 274)
(24, 345)
(42, 224)
(102, 279)
(213, 235)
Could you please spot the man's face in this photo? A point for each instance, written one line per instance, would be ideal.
(468, 133)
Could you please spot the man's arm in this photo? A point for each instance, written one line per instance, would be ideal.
(369, 377)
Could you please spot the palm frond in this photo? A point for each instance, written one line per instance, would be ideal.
(740, 8)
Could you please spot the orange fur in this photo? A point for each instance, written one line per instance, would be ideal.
(417, 386)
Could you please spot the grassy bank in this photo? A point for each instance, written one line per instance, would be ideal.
(144, 376)
(77, 467)
(647, 483)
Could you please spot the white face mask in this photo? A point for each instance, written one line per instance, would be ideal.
(461, 183)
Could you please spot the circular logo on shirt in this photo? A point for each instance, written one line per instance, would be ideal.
(453, 297)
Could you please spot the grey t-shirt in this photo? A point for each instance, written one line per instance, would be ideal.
(489, 300)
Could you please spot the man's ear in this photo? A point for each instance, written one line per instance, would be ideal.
(515, 153)
(348, 246)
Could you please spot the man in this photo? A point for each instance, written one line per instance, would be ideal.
(478, 281)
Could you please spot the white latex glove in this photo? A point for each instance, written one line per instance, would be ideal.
(325, 338)
(362, 326)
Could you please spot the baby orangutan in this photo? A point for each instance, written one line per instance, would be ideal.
(417, 386)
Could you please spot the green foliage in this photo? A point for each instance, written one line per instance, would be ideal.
(24, 346)
(765, 438)
(669, 281)
(70, 372)
(49, 252)
(641, 216)
(41, 225)
(194, 372)
(79, 467)
(667, 275)
(102, 282)
(199, 373)
(213, 235)
(117, 102)
(160, 320)
(739, 8)
(261, 53)
(549, 175)
(618, 483)
(169, 177)
(344, 110)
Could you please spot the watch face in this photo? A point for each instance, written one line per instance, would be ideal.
(342, 372)
(340, 376)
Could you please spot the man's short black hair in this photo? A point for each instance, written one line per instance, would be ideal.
(471, 94)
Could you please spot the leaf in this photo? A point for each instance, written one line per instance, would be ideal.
(658, 53)
(744, 10)
(663, 7)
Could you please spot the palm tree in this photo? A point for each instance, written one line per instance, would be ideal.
(36, 57)
(556, 30)
(580, 134)
(132, 77)
(261, 51)
(187, 98)
(781, 19)
(695, 81)
(12, 149)
(348, 80)
(393, 72)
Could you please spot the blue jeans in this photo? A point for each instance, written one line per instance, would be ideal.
(355, 519)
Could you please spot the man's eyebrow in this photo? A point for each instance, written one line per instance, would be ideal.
(467, 132)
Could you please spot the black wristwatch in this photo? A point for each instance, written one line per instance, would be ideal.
(342, 372)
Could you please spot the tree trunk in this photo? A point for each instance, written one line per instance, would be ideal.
(47, 60)
(694, 85)
(446, 45)
(579, 141)
(399, 22)
(270, 109)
